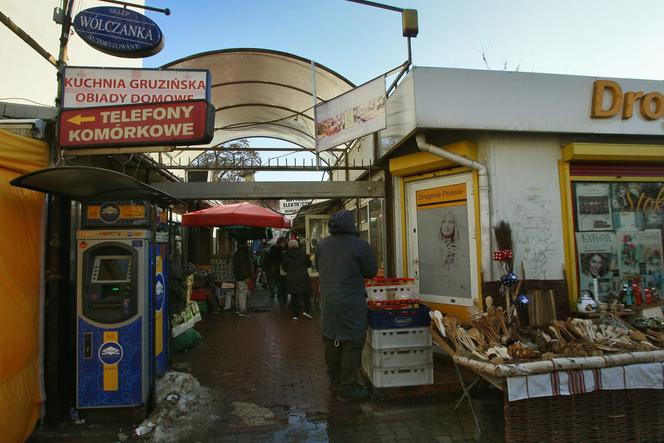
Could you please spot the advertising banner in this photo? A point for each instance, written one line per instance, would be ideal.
(177, 123)
(351, 115)
(91, 87)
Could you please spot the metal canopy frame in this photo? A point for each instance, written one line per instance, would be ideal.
(263, 93)
(272, 190)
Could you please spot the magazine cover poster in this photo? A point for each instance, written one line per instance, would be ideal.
(640, 251)
(593, 208)
(597, 255)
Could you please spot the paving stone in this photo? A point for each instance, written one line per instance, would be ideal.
(274, 369)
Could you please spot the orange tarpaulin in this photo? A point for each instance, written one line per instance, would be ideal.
(21, 237)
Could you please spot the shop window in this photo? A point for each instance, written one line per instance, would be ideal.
(618, 232)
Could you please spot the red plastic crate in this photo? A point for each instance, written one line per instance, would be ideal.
(199, 294)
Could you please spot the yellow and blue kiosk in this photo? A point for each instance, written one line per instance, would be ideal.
(122, 307)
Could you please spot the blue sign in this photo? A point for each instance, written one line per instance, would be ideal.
(110, 353)
(119, 31)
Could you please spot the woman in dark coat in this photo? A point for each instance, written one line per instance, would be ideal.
(295, 263)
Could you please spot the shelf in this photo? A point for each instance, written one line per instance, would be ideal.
(651, 305)
(598, 314)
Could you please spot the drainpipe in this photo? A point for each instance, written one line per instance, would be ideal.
(483, 181)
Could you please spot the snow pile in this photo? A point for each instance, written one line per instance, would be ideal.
(252, 414)
(186, 411)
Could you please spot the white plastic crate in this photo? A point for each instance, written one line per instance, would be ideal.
(395, 358)
(398, 338)
(405, 376)
(390, 292)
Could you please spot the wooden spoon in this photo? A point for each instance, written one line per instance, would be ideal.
(488, 301)
(477, 337)
(439, 321)
(500, 315)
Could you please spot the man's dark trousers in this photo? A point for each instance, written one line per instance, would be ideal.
(343, 360)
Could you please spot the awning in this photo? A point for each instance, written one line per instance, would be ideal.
(263, 93)
(89, 183)
(243, 214)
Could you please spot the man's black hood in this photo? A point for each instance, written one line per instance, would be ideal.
(342, 222)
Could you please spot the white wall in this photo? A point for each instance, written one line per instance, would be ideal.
(519, 101)
(27, 75)
(525, 191)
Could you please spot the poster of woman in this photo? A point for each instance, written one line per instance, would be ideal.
(444, 259)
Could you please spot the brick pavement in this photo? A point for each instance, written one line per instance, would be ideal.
(273, 365)
(271, 360)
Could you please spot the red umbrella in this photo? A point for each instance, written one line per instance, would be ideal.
(238, 214)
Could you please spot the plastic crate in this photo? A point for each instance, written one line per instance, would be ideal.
(390, 288)
(393, 314)
(398, 338)
(199, 294)
(396, 358)
(394, 377)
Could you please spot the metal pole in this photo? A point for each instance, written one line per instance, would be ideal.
(62, 62)
(165, 11)
(377, 5)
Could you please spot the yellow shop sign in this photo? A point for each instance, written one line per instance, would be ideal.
(650, 105)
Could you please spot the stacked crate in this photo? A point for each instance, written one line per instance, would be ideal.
(398, 347)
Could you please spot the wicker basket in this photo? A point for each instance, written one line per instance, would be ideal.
(600, 416)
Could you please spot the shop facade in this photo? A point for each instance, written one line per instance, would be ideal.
(573, 164)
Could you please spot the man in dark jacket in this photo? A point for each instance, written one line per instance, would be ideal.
(344, 261)
(274, 257)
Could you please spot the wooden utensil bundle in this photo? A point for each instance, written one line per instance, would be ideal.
(541, 307)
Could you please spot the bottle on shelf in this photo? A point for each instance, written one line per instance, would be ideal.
(629, 300)
(636, 291)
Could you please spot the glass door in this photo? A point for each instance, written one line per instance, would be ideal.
(442, 252)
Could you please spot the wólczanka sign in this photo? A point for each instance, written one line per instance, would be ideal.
(175, 123)
(119, 31)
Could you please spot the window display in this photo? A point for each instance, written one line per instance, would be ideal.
(619, 237)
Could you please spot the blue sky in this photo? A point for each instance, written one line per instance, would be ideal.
(609, 38)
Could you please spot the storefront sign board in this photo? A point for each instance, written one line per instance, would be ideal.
(88, 87)
(177, 123)
(121, 32)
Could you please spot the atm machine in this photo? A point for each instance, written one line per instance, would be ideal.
(122, 318)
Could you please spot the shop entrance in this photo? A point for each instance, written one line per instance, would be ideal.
(441, 239)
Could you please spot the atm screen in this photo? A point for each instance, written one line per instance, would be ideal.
(111, 268)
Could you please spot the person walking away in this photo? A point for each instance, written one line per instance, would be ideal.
(242, 270)
(344, 260)
(296, 262)
(262, 264)
(274, 257)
